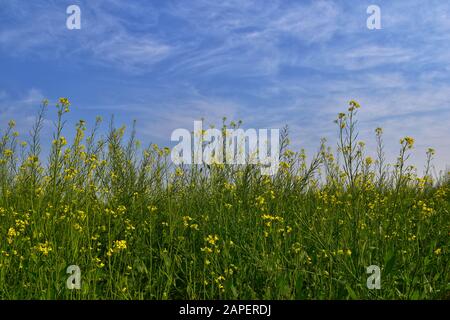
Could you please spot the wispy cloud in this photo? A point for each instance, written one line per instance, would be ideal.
(20, 108)
(269, 64)
(104, 37)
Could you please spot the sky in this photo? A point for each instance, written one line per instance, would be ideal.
(268, 63)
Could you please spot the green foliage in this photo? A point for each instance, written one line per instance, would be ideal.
(140, 228)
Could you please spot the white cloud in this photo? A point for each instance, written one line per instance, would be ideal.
(22, 109)
(41, 32)
(399, 74)
(317, 22)
(129, 52)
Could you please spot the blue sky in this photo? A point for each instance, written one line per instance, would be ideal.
(269, 63)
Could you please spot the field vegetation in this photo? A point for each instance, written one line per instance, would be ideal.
(141, 228)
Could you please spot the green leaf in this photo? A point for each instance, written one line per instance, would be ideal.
(351, 293)
(389, 263)
(234, 292)
(299, 287)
